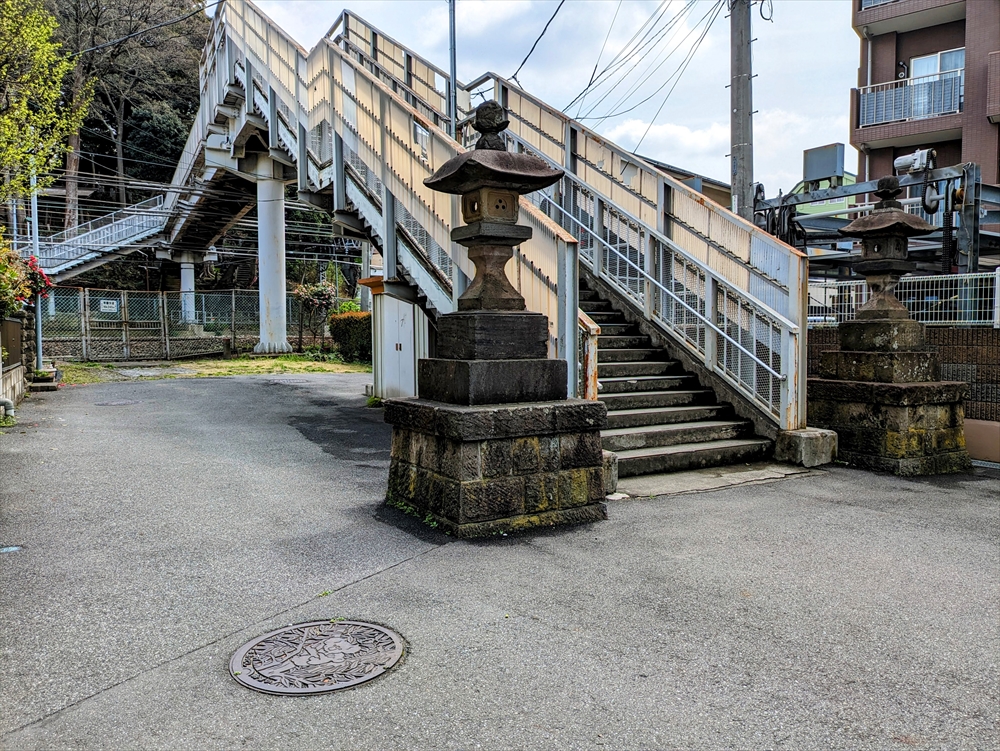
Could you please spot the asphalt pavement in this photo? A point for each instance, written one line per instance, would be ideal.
(162, 524)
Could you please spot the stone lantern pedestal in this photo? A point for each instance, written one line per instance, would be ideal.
(491, 443)
(880, 392)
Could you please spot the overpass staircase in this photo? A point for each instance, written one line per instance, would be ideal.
(360, 121)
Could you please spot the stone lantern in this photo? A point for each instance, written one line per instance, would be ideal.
(491, 443)
(880, 392)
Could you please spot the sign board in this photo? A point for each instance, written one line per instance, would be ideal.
(109, 306)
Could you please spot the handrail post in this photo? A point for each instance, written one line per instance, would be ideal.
(568, 296)
(599, 252)
(712, 314)
(647, 267)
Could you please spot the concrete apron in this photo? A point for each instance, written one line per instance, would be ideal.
(711, 478)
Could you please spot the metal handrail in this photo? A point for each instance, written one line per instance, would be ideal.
(700, 316)
(893, 101)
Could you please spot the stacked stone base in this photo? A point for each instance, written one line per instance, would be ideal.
(903, 428)
(482, 470)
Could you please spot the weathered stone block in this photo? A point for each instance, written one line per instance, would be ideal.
(460, 460)
(880, 367)
(541, 492)
(492, 499)
(497, 460)
(475, 382)
(574, 488)
(610, 470)
(493, 335)
(887, 335)
(580, 450)
(808, 447)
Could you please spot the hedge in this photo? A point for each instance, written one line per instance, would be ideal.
(352, 333)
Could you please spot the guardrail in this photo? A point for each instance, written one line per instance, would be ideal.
(911, 98)
(948, 300)
(102, 235)
(654, 237)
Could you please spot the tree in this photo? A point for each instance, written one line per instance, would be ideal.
(137, 63)
(34, 118)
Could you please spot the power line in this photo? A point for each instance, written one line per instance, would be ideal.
(687, 61)
(601, 53)
(514, 77)
(146, 30)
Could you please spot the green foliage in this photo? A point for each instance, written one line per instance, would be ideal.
(20, 280)
(321, 354)
(373, 401)
(352, 333)
(349, 306)
(34, 119)
(154, 129)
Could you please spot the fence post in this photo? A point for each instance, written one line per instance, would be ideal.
(996, 298)
(126, 335)
(232, 320)
(165, 321)
(82, 303)
(86, 321)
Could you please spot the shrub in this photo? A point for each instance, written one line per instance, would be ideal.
(349, 306)
(352, 333)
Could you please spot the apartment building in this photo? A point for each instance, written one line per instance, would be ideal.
(929, 78)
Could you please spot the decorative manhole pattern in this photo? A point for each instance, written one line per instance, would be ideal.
(119, 403)
(315, 657)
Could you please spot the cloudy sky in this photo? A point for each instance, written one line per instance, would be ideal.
(805, 61)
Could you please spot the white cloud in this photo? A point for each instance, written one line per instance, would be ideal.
(700, 150)
(806, 63)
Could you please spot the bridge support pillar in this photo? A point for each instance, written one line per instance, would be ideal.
(271, 259)
(187, 293)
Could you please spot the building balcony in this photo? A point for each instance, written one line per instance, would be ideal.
(884, 16)
(911, 99)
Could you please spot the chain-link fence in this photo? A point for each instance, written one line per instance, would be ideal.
(102, 324)
(948, 300)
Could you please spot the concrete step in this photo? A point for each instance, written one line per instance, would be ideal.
(628, 418)
(592, 306)
(636, 354)
(647, 368)
(622, 342)
(631, 384)
(654, 399)
(651, 436)
(685, 456)
(619, 329)
(602, 317)
(588, 294)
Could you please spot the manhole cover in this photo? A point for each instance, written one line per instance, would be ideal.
(119, 403)
(312, 658)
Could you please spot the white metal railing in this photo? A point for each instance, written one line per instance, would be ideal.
(740, 341)
(949, 300)
(102, 235)
(912, 98)
(727, 290)
(865, 4)
(665, 248)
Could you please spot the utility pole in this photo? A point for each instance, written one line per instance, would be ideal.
(453, 85)
(741, 117)
(34, 251)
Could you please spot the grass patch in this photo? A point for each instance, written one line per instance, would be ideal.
(270, 365)
(82, 373)
(7, 422)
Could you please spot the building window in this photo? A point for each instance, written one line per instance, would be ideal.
(938, 83)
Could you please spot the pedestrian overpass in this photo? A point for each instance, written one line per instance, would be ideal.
(357, 124)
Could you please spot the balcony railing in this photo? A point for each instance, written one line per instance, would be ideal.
(912, 98)
(865, 4)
